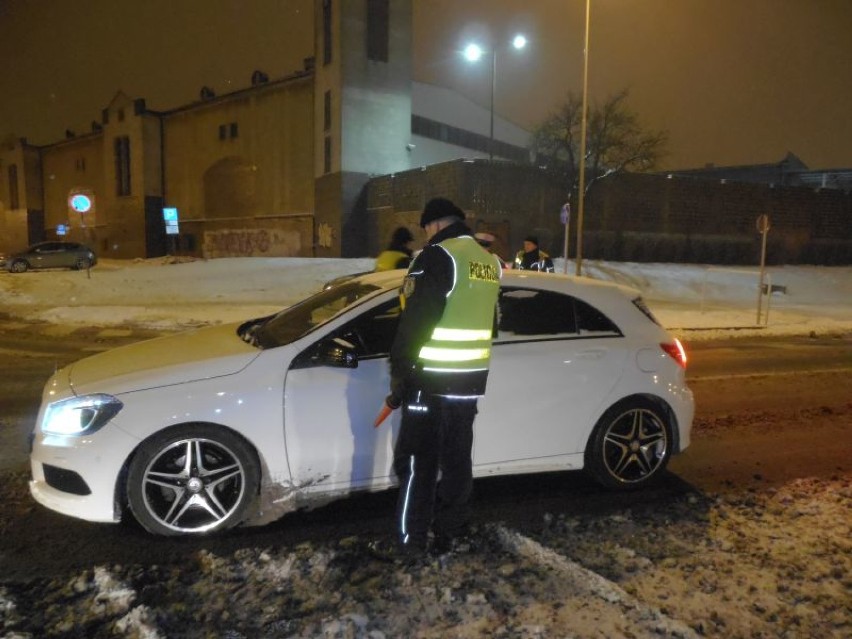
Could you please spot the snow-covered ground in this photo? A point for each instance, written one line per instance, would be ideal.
(163, 293)
(740, 558)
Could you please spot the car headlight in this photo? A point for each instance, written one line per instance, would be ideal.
(80, 415)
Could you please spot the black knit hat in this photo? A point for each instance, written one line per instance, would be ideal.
(531, 238)
(438, 208)
(401, 236)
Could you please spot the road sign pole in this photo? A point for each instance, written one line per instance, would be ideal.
(763, 227)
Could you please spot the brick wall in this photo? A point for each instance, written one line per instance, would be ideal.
(632, 217)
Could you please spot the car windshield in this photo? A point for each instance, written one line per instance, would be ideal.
(298, 320)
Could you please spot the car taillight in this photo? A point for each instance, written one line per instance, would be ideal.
(676, 351)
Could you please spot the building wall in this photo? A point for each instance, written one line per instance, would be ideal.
(121, 217)
(75, 165)
(628, 217)
(443, 105)
(251, 189)
(24, 224)
(370, 116)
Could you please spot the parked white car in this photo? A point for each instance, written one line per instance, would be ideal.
(241, 423)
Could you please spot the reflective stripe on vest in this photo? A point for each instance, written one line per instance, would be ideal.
(461, 341)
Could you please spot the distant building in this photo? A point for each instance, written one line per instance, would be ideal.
(277, 168)
(790, 171)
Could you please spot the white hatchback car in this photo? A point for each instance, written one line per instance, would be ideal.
(241, 423)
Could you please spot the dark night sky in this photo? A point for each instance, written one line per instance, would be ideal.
(732, 81)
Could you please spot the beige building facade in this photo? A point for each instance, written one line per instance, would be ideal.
(275, 169)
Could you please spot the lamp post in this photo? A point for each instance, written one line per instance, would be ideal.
(581, 190)
(473, 53)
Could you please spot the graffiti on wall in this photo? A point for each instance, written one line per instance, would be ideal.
(251, 243)
(325, 235)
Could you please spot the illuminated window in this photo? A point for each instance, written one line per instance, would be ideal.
(378, 20)
(122, 166)
(13, 186)
(326, 32)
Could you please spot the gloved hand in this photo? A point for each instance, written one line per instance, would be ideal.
(393, 401)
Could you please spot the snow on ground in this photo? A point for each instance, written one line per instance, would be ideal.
(750, 561)
(699, 301)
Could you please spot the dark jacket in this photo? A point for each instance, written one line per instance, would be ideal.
(430, 278)
(535, 260)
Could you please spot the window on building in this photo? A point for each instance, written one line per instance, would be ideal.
(326, 31)
(326, 114)
(14, 202)
(80, 165)
(378, 21)
(122, 165)
(327, 155)
(235, 131)
(121, 115)
(223, 132)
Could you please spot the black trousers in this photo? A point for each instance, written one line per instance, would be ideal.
(436, 435)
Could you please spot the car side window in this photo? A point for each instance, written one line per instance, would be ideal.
(527, 312)
(591, 320)
(371, 334)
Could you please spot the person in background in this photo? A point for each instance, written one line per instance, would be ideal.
(439, 367)
(486, 241)
(532, 258)
(398, 253)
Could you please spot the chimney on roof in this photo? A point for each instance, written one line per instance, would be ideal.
(259, 77)
(207, 93)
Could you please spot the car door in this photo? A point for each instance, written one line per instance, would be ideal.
(45, 255)
(554, 360)
(329, 410)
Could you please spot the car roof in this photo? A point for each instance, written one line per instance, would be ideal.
(556, 282)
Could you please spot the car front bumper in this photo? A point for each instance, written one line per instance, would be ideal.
(78, 476)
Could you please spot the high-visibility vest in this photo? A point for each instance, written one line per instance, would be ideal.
(461, 341)
(388, 259)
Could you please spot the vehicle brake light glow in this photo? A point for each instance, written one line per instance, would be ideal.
(676, 351)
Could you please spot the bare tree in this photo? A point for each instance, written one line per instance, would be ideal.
(615, 141)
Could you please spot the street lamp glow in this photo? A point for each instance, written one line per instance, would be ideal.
(519, 42)
(473, 52)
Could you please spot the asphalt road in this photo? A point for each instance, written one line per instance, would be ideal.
(767, 411)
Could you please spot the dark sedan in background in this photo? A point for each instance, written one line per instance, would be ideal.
(50, 255)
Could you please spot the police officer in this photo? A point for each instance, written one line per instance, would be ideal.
(439, 367)
(532, 258)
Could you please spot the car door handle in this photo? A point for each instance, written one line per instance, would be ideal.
(592, 353)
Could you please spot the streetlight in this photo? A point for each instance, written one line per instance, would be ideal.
(581, 190)
(473, 53)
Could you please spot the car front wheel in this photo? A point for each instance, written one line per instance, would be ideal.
(19, 266)
(81, 263)
(630, 445)
(192, 480)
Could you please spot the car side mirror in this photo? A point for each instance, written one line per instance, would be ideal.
(336, 352)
